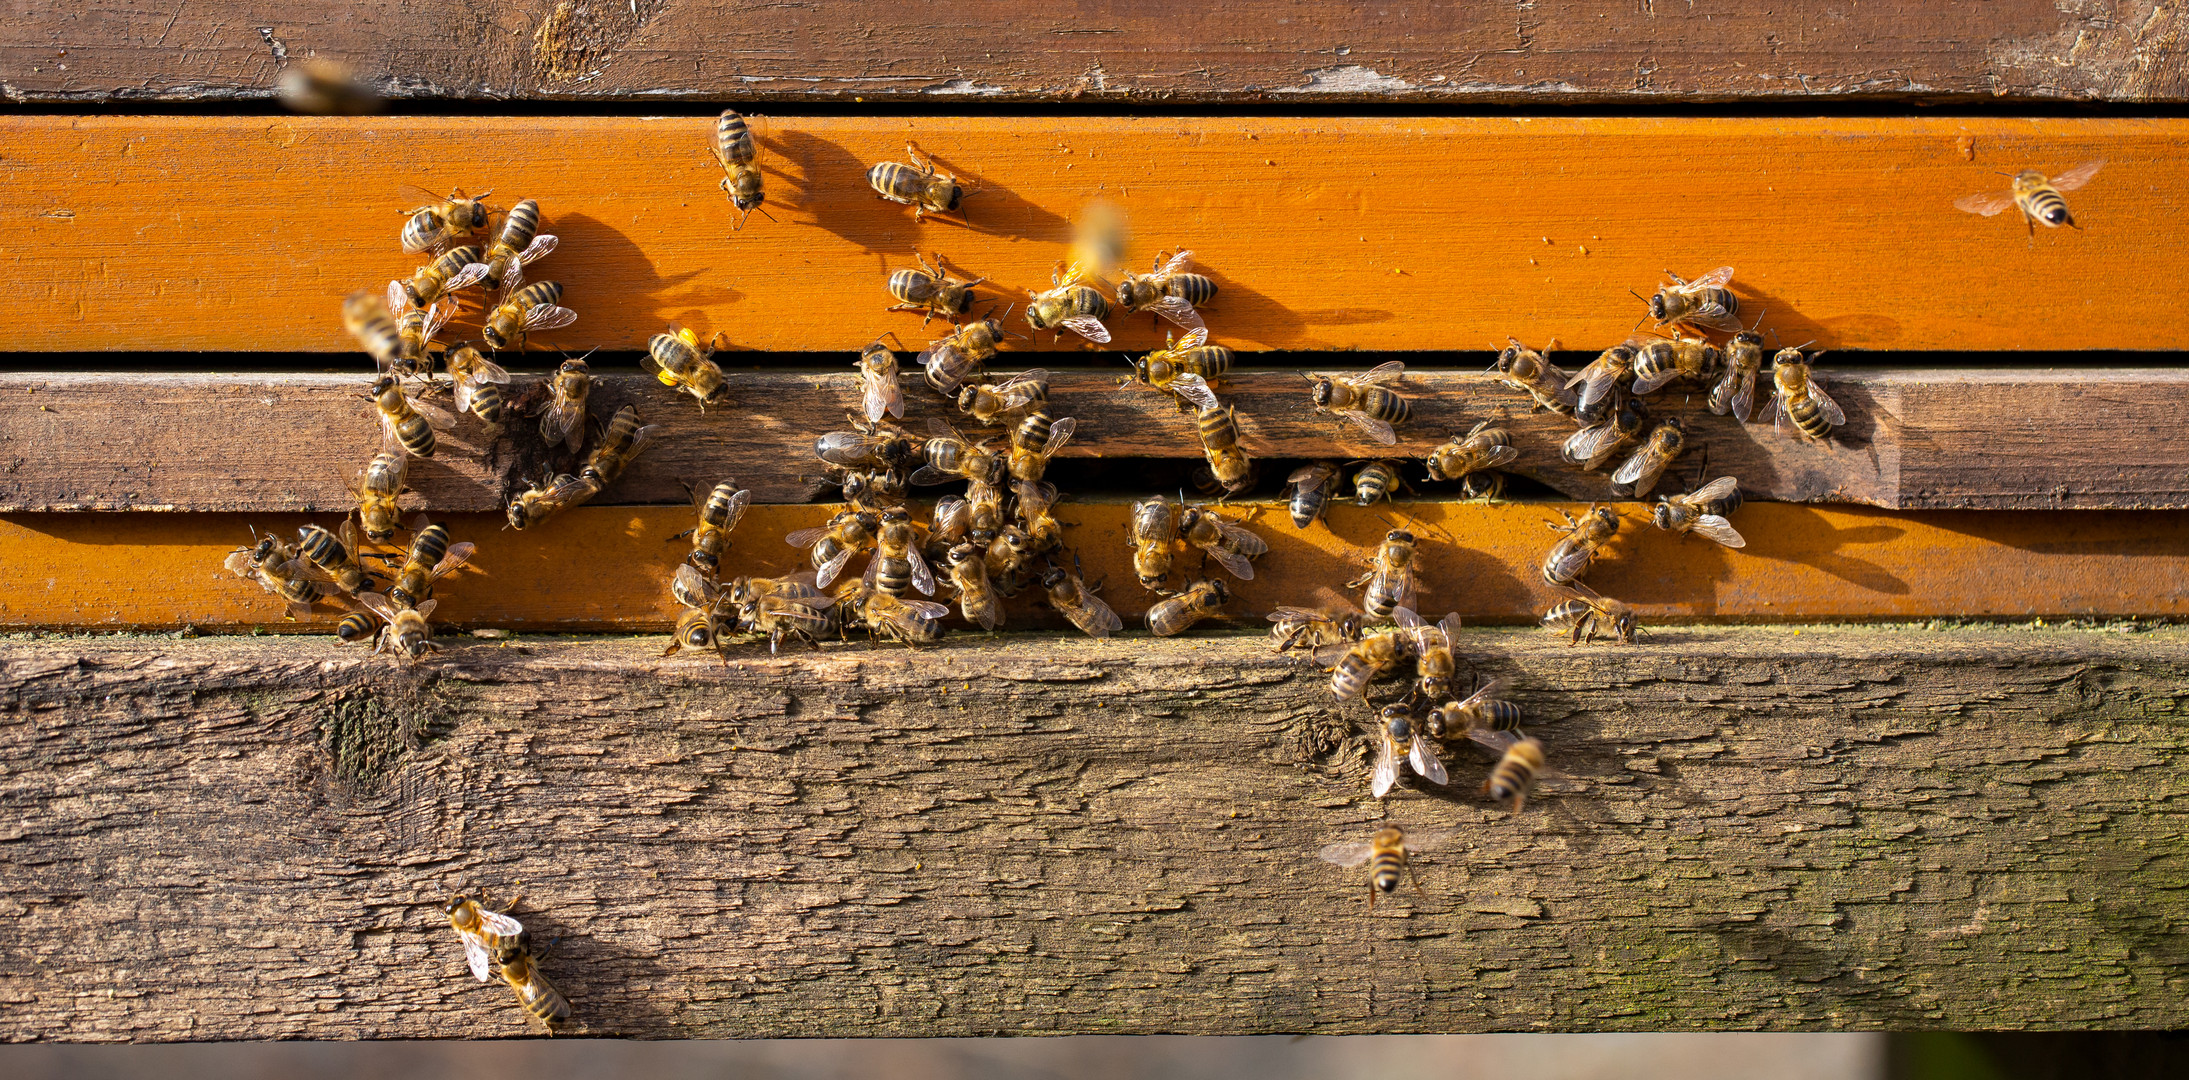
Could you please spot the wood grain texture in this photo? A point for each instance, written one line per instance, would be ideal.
(244, 233)
(2003, 439)
(990, 50)
(1754, 828)
(608, 568)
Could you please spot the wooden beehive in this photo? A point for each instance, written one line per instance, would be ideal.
(1909, 759)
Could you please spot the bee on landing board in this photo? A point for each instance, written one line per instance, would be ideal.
(1593, 447)
(1397, 728)
(409, 636)
(1480, 711)
(1230, 544)
(518, 245)
(682, 363)
(526, 311)
(1588, 612)
(621, 442)
(1659, 362)
(1366, 400)
(1183, 368)
(879, 392)
(997, 403)
(479, 383)
(1532, 373)
(1704, 303)
(1734, 394)
(737, 153)
(917, 185)
(431, 558)
(1434, 663)
(563, 420)
(447, 273)
(831, 546)
(1641, 472)
(519, 964)
(1312, 629)
(377, 488)
(1387, 854)
(1202, 598)
(368, 319)
(1076, 600)
(1486, 446)
(483, 930)
(1071, 303)
(2038, 198)
(332, 557)
(1390, 581)
(1800, 402)
(719, 511)
(961, 357)
(1168, 290)
(1611, 372)
(275, 565)
(1154, 540)
(1228, 464)
(1514, 774)
(1703, 512)
(931, 292)
(1353, 665)
(435, 220)
(1583, 539)
(1312, 487)
(549, 497)
(913, 622)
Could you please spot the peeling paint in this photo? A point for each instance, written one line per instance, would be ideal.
(964, 87)
(1348, 79)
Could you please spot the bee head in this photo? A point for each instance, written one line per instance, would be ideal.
(1220, 591)
(1054, 578)
(517, 512)
(1657, 306)
(1662, 517)
(455, 903)
(1622, 623)
(1398, 722)
(1322, 391)
(967, 395)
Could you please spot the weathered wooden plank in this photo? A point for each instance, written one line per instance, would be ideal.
(989, 50)
(608, 568)
(1756, 828)
(2000, 439)
(243, 233)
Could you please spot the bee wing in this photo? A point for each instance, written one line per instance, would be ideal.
(475, 955)
(438, 315)
(1989, 204)
(1406, 617)
(1089, 327)
(2078, 176)
(398, 297)
(1195, 390)
(378, 605)
(1488, 692)
(1179, 310)
(1372, 427)
(1589, 446)
(471, 274)
(1345, 854)
(1716, 279)
(953, 516)
(1715, 490)
(1329, 655)
(805, 538)
(641, 439)
(1824, 402)
(1744, 400)
(690, 587)
(1423, 758)
(1502, 455)
(1644, 384)
(883, 397)
(1194, 339)
(828, 570)
(1570, 564)
(1499, 741)
(466, 389)
(1294, 614)
(563, 422)
(1713, 527)
(1247, 543)
(738, 503)
(925, 608)
(419, 197)
(1060, 433)
(1634, 469)
(458, 555)
(1310, 476)
(1095, 617)
(1036, 375)
(427, 240)
(500, 925)
(923, 578)
(1386, 775)
(928, 474)
(542, 245)
(1450, 625)
(548, 317)
(1232, 562)
(1381, 373)
(1715, 317)
(1180, 261)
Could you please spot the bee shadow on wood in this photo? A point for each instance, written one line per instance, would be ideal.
(1810, 970)
(1793, 328)
(607, 269)
(994, 210)
(613, 990)
(1808, 538)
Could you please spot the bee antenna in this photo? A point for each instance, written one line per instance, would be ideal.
(1759, 319)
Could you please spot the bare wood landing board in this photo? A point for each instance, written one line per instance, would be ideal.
(1754, 829)
(243, 233)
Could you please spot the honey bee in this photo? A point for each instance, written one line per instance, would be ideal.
(436, 221)
(1034, 505)
(1703, 512)
(409, 636)
(1020, 393)
(478, 382)
(1307, 628)
(1704, 302)
(1168, 290)
(430, 559)
(868, 489)
(1801, 402)
(1390, 583)
(2038, 198)
(332, 557)
(378, 486)
(1397, 729)
(1386, 854)
(735, 149)
(274, 564)
(548, 498)
(869, 445)
(1312, 487)
(1154, 538)
(914, 622)
(897, 561)
(1483, 710)
(985, 517)
(698, 626)
(1583, 539)
(1529, 371)
(526, 311)
(977, 599)
(1184, 368)
(1587, 612)
(931, 292)
(832, 545)
(358, 628)
(1642, 470)
(1353, 665)
(1515, 773)
(1227, 542)
(520, 968)
(693, 587)
(483, 930)
(1375, 481)
(1485, 446)
(949, 457)
(514, 248)
(1660, 362)
(1034, 441)
(719, 511)
(1434, 664)
(415, 329)
(563, 421)
(1070, 304)
(1600, 382)
(325, 88)
(680, 361)
(878, 388)
(1735, 391)
(1591, 447)
(446, 274)
(1076, 600)
(1364, 400)
(786, 609)
(1202, 598)
(962, 357)
(917, 185)
(1482, 486)
(1230, 466)
(620, 443)
(368, 320)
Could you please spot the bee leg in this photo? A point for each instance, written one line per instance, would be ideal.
(1577, 633)
(1371, 894)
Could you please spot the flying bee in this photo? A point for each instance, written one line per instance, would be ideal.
(325, 88)
(1582, 541)
(897, 562)
(1434, 663)
(1527, 370)
(913, 622)
(931, 292)
(274, 564)
(1660, 362)
(333, 557)
(1307, 628)
(1485, 446)
(1168, 290)
(563, 421)
(378, 486)
(621, 442)
(1227, 542)
(415, 329)
(409, 636)
(1076, 600)
(681, 362)
(437, 220)
(478, 382)
(358, 628)
(832, 545)
(1801, 402)
(1386, 854)
(431, 558)
(719, 511)
(1483, 710)
(1184, 368)
(483, 930)
(735, 149)
(1592, 447)
(526, 311)
(1397, 728)
(1642, 470)
(917, 185)
(1600, 382)
(1353, 665)
(1034, 440)
(1227, 463)
(1376, 480)
(1587, 612)
(1515, 773)
(520, 968)
(949, 457)
(515, 247)
(548, 498)
(367, 319)
(1703, 512)
(977, 599)
(962, 357)
(1023, 392)
(1202, 598)
(1070, 304)
(879, 392)
(1364, 400)
(2038, 198)
(1154, 538)
(1704, 303)
(449, 272)
(1312, 487)
(1390, 582)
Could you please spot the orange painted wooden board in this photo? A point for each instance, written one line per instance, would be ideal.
(607, 568)
(243, 233)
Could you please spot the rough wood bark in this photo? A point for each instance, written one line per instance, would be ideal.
(286, 443)
(1755, 828)
(990, 50)
(244, 233)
